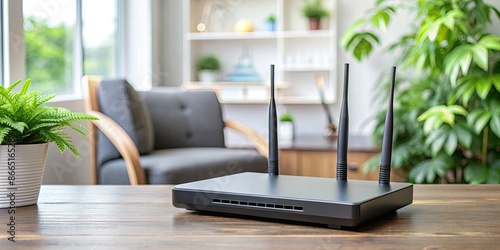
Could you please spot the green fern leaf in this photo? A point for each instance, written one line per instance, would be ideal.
(25, 87)
(19, 126)
(3, 132)
(12, 86)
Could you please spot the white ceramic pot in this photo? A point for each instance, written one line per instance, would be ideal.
(208, 76)
(21, 173)
(285, 131)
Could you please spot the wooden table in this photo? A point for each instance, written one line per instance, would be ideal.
(139, 217)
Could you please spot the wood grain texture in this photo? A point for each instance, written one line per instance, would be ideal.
(317, 156)
(132, 217)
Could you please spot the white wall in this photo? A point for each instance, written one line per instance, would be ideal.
(65, 168)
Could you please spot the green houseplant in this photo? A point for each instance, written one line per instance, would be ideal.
(447, 107)
(286, 126)
(208, 68)
(26, 128)
(314, 11)
(271, 22)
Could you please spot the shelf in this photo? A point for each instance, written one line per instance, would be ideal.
(201, 36)
(299, 54)
(305, 34)
(306, 68)
(212, 85)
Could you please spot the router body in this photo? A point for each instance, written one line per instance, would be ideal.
(296, 198)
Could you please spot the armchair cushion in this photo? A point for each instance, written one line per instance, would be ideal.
(118, 100)
(180, 165)
(185, 118)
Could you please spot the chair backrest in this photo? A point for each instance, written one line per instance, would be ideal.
(118, 100)
(185, 118)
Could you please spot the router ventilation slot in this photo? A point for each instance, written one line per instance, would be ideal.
(258, 204)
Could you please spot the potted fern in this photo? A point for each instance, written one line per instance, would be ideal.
(26, 128)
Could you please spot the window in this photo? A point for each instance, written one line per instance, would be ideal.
(49, 35)
(100, 37)
(66, 39)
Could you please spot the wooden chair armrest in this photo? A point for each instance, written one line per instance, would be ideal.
(126, 147)
(257, 140)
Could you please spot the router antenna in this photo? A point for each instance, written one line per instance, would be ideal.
(273, 167)
(385, 162)
(343, 131)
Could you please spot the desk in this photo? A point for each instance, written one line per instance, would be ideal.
(138, 217)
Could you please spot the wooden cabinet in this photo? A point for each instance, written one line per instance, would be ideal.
(300, 54)
(317, 156)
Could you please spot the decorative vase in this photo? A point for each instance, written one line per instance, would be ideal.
(314, 23)
(21, 173)
(271, 26)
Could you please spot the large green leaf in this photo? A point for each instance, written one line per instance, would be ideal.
(481, 122)
(483, 87)
(480, 57)
(437, 115)
(474, 115)
(429, 170)
(490, 41)
(464, 135)
(458, 59)
(465, 91)
(475, 173)
(351, 32)
(380, 19)
(437, 145)
(362, 49)
(496, 81)
(451, 143)
(495, 125)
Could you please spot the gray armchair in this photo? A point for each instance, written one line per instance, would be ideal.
(163, 136)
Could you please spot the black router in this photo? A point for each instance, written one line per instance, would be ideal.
(334, 202)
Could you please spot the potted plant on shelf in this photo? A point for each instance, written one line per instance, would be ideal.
(208, 68)
(315, 11)
(446, 107)
(286, 127)
(271, 22)
(26, 128)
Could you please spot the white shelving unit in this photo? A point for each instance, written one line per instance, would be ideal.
(299, 54)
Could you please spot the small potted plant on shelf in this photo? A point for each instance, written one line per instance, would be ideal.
(271, 22)
(26, 128)
(315, 11)
(286, 127)
(208, 68)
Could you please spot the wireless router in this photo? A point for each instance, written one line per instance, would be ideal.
(335, 202)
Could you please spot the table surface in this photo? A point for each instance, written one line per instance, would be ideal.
(123, 217)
